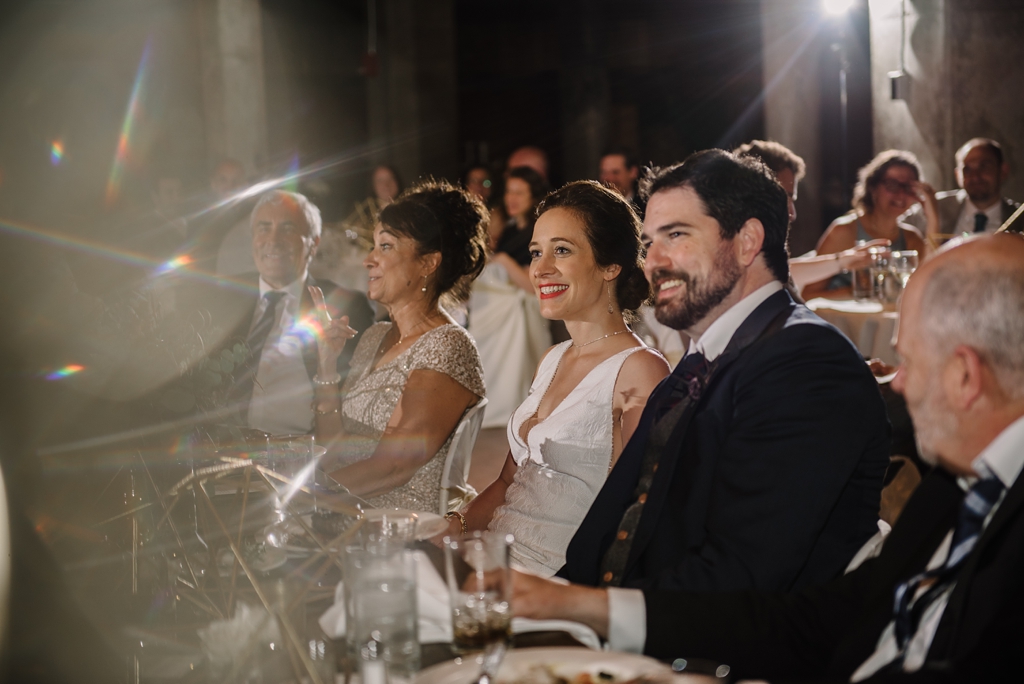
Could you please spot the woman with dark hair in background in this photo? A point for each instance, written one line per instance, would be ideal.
(413, 378)
(887, 187)
(586, 399)
(504, 315)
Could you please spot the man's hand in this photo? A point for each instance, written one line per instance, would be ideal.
(333, 333)
(541, 599)
(925, 194)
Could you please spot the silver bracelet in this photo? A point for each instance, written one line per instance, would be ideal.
(333, 380)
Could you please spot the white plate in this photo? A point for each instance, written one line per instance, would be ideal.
(563, 662)
(427, 524)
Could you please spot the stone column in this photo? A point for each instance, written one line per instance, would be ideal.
(791, 33)
(412, 100)
(585, 90)
(231, 41)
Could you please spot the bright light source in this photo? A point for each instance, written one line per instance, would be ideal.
(837, 7)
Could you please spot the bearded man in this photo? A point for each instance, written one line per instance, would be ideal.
(758, 463)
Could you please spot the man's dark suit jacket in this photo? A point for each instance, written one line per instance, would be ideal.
(828, 632)
(774, 485)
(233, 305)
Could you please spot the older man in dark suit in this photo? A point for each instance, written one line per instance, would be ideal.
(759, 462)
(943, 601)
(273, 312)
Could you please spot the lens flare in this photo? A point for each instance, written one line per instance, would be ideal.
(175, 263)
(124, 141)
(56, 152)
(64, 372)
(292, 182)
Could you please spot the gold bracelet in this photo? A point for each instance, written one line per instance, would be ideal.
(325, 413)
(462, 519)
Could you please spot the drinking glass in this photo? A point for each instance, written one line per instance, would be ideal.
(865, 279)
(380, 600)
(903, 264)
(481, 588)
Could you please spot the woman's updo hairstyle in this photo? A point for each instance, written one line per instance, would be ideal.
(613, 230)
(443, 218)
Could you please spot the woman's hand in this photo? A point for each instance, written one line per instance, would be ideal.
(333, 333)
(925, 194)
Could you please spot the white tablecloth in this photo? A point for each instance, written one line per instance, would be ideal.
(866, 324)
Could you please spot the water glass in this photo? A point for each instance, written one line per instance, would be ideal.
(865, 280)
(385, 526)
(380, 601)
(903, 264)
(480, 586)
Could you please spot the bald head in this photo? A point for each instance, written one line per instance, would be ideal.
(534, 157)
(973, 294)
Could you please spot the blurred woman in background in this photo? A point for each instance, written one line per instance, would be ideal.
(504, 315)
(888, 186)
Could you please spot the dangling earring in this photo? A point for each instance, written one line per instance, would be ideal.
(424, 288)
(611, 310)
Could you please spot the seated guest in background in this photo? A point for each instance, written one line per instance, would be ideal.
(477, 180)
(504, 315)
(619, 170)
(886, 188)
(978, 206)
(758, 463)
(788, 166)
(274, 387)
(388, 430)
(589, 392)
(529, 156)
(944, 598)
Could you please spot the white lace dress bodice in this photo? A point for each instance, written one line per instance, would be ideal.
(561, 466)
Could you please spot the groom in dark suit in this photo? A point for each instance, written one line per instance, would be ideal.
(944, 600)
(758, 463)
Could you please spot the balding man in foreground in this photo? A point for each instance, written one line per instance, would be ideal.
(944, 600)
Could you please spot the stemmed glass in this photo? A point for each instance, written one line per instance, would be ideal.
(903, 264)
(480, 585)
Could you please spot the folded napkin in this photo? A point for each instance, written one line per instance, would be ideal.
(845, 305)
(433, 608)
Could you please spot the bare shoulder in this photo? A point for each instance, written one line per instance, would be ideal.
(841, 234)
(646, 367)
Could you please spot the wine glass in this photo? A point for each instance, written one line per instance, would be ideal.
(480, 586)
(903, 264)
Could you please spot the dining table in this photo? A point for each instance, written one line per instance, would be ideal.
(869, 324)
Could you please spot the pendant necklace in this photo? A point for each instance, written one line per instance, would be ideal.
(603, 337)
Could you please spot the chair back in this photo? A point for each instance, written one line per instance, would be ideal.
(455, 477)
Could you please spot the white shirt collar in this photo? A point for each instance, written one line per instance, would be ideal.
(1004, 456)
(994, 213)
(715, 339)
(293, 288)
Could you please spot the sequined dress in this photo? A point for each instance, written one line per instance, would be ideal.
(370, 396)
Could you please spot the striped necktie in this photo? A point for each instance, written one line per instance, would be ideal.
(976, 506)
(245, 373)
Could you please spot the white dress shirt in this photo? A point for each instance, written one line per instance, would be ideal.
(1003, 458)
(282, 396)
(965, 223)
(627, 613)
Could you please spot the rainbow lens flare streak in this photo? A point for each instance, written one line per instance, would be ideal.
(123, 143)
(56, 152)
(174, 264)
(64, 372)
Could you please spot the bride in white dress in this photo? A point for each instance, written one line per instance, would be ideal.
(589, 392)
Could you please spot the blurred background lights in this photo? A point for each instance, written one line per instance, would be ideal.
(56, 152)
(837, 7)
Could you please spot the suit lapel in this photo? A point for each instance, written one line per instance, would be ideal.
(765, 319)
